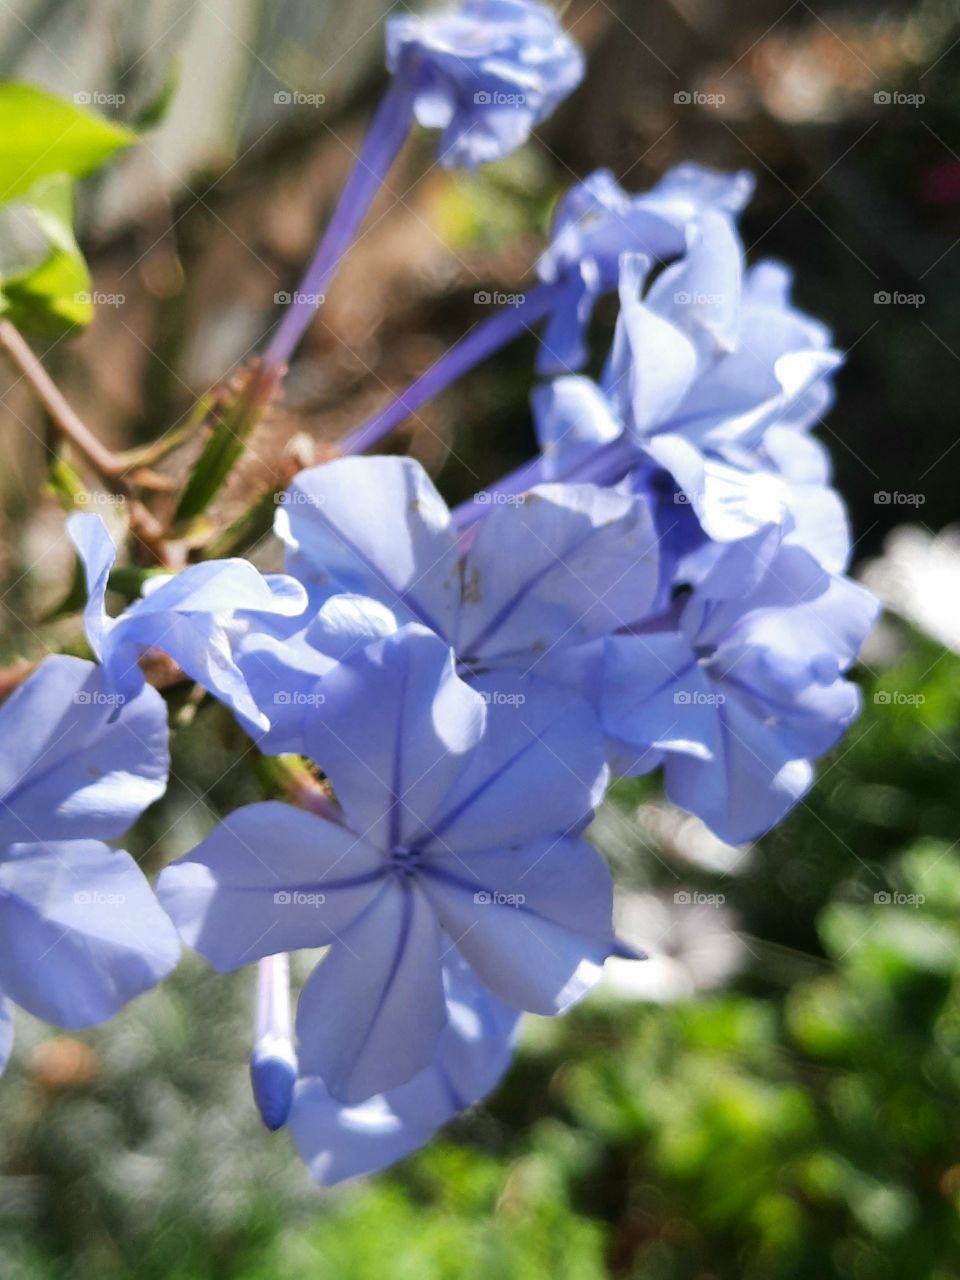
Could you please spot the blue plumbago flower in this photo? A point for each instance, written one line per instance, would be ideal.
(460, 833)
(373, 543)
(713, 379)
(595, 224)
(485, 73)
(473, 1052)
(81, 932)
(741, 686)
(192, 617)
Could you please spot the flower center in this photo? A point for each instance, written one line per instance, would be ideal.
(404, 861)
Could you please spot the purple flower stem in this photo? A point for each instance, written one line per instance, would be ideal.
(386, 136)
(604, 465)
(482, 341)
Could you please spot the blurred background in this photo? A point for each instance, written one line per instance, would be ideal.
(775, 1093)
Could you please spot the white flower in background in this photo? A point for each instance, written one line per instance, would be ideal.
(918, 577)
(689, 940)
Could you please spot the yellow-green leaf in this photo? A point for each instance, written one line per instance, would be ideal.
(41, 135)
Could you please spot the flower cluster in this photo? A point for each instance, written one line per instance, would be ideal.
(662, 587)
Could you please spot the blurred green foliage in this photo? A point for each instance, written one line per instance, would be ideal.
(45, 144)
(800, 1125)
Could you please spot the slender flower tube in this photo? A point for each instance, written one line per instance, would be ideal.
(390, 127)
(273, 1063)
(482, 341)
(608, 464)
(484, 73)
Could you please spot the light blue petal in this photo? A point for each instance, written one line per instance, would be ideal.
(573, 418)
(81, 932)
(748, 785)
(656, 695)
(701, 294)
(563, 345)
(78, 762)
(372, 1011)
(97, 553)
(688, 190)
(473, 1051)
(597, 220)
(769, 378)
(730, 502)
(796, 456)
(190, 616)
(652, 364)
(539, 767)
(820, 525)
(281, 674)
(568, 563)
(393, 733)
(282, 660)
(193, 618)
(811, 619)
(269, 878)
(373, 527)
(534, 921)
(818, 514)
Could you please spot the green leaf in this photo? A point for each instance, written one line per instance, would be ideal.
(237, 412)
(53, 295)
(42, 135)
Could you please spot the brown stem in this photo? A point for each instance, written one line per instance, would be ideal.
(62, 415)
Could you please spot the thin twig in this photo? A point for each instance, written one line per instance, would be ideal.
(64, 418)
